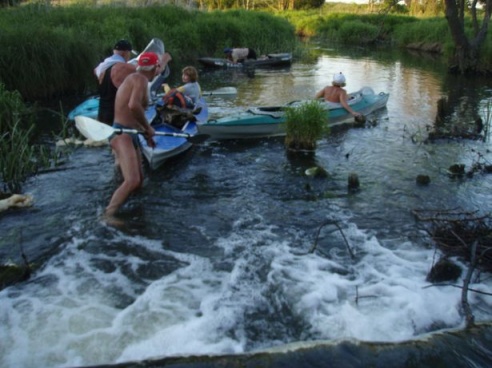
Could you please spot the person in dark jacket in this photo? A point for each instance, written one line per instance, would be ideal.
(110, 74)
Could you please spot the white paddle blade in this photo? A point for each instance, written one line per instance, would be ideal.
(93, 129)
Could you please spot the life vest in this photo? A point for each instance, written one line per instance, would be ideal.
(176, 98)
(175, 108)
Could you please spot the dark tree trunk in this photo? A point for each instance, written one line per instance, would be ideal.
(466, 58)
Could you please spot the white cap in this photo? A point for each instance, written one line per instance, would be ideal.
(339, 78)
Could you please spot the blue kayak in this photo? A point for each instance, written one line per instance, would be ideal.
(168, 146)
(89, 108)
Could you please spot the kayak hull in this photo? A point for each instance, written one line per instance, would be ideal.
(267, 61)
(259, 122)
(166, 146)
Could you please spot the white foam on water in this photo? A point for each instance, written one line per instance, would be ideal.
(382, 298)
(73, 312)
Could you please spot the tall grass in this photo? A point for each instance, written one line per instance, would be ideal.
(305, 124)
(56, 49)
(357, 31)
(428, 30)
(15, 133)
(349, 28)
(20, 156)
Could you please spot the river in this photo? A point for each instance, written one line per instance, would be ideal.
(214, 259)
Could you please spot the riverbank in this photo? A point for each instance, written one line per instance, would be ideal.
(53, 54)
(59, 45)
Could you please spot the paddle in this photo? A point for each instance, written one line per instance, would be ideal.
(224, 91)
(97, 131)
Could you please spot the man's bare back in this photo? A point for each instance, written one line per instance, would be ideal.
(119, 72)
(131, 102)
(334, 94)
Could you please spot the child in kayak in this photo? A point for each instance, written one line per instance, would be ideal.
(190, 90)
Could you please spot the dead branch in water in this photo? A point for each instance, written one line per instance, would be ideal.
(454, 232)
(466, 235)
(470, 319)
(332, 222)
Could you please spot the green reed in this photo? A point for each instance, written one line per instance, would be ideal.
(16, 158)
(305, 124)
(20, 155)
(427, 30)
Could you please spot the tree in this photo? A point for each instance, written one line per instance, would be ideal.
(466, 56)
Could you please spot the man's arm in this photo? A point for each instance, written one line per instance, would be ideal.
(138, 102)
(320, 94)
(344, 103)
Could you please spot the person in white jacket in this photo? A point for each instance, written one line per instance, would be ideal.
(239, 55)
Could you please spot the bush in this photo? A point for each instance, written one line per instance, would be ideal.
(358, 32)
(428, 30)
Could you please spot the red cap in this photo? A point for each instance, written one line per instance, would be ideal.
(148, 59)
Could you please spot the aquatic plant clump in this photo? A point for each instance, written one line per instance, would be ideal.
(20, 157)
(305, 124)
(15, 132)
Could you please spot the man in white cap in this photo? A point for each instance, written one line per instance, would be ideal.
(336, 93)
(130, 104)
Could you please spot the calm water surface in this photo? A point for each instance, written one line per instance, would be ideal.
(214, 258)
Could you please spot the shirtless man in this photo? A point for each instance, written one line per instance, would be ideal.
(110, 73)
(130, 104)
(335, 93)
